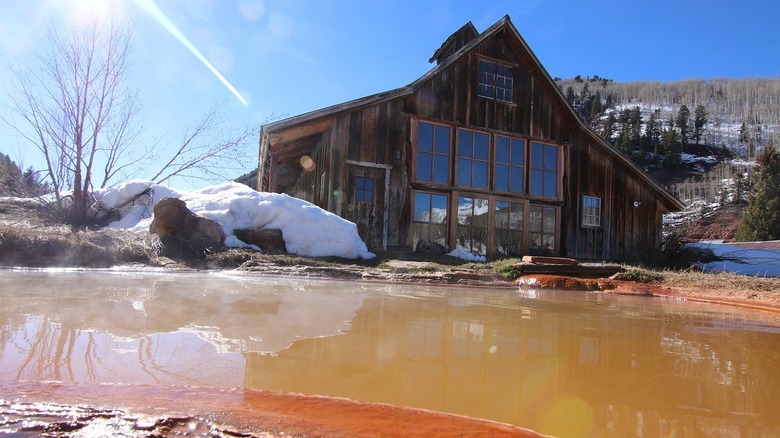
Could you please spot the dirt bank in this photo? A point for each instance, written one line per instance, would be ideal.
(32, 236)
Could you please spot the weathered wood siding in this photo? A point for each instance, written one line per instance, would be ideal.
(381, 133)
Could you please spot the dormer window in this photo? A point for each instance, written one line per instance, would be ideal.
(495, 81)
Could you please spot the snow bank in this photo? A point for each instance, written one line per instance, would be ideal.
(307, 229)
(737, 260)
(465, 255)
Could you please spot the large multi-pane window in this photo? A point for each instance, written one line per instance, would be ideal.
(430, 217)
(544, 170)
(472, 159)
(541, 230)
(433, 153)
(508, 240)
(501, 173)
(495, 81)
(591, 211)
(509, 168)
(473, 224)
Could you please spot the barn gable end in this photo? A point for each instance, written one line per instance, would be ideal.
(481, 153)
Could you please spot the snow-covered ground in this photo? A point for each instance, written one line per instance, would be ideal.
(739, 260)
(307, 229)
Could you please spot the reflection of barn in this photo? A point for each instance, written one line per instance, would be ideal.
(482, 152)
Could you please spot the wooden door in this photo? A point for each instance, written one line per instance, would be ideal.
(365, 205)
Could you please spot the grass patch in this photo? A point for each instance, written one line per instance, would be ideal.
(641, 275)
(508, 269)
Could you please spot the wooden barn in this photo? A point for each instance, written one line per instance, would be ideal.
(482, 153)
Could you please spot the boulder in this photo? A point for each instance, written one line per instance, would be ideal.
(267, 239)
(172, 218)
(426, 246)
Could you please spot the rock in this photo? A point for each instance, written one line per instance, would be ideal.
(267, 239)
(564, 283)
(427, 246)
(545, 260)
(172, 218)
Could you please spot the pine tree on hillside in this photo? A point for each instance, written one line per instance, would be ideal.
(570, 95)
(762, 215)
(652, 136)
(681, 121)
(597, 107)
(671, 145)
(699, 122)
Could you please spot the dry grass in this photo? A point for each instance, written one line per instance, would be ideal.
(30, 235)
(702, 280)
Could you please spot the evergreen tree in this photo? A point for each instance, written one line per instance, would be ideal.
(609, 127)
(683, 116)
(14, 182)
(699, 122)
(762, 215)
(570, 95)
(596, 108)
(671, 145)
(635, 126)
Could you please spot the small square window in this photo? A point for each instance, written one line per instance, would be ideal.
(495, 81)
(591, 211)
(364, 189)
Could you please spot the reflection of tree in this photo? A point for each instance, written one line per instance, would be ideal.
(509, 229)
(473, 224)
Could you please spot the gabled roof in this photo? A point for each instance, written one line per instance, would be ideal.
(457, 40)
(445, 59)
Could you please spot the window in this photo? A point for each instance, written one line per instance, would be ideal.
(544, 170)
(541, 230)
(364, 189)
(509, 166)
(591, 211)
(495, 81)
(509, 229)
(433, 153)
(472, 159)
(430, 217)
(473, 224)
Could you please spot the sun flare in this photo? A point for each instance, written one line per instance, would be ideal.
(153, 11)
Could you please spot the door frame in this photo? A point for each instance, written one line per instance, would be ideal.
(385, 208)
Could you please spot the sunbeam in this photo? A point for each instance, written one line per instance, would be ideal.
(150, 8)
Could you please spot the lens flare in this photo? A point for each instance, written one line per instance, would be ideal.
(150, 8)
(307, 163)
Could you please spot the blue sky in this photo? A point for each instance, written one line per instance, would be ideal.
(287, 57)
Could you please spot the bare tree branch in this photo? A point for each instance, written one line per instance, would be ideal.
(76, 111)
(207, 151)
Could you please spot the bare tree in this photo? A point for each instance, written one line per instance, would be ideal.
(74, 108)
(77, 112)
(207, 151)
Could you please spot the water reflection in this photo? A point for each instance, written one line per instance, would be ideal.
(561, 363)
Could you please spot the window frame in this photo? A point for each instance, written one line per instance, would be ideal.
(433, 153)
(544, 170)
(470, 227)
(542, 233)
(510, 165)
(589, 219)
(429, 224)
(495, 83)
(504, 227)
(471, 157)
(361, 191)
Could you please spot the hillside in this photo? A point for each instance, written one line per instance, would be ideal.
(729, 104)
(698, 138)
